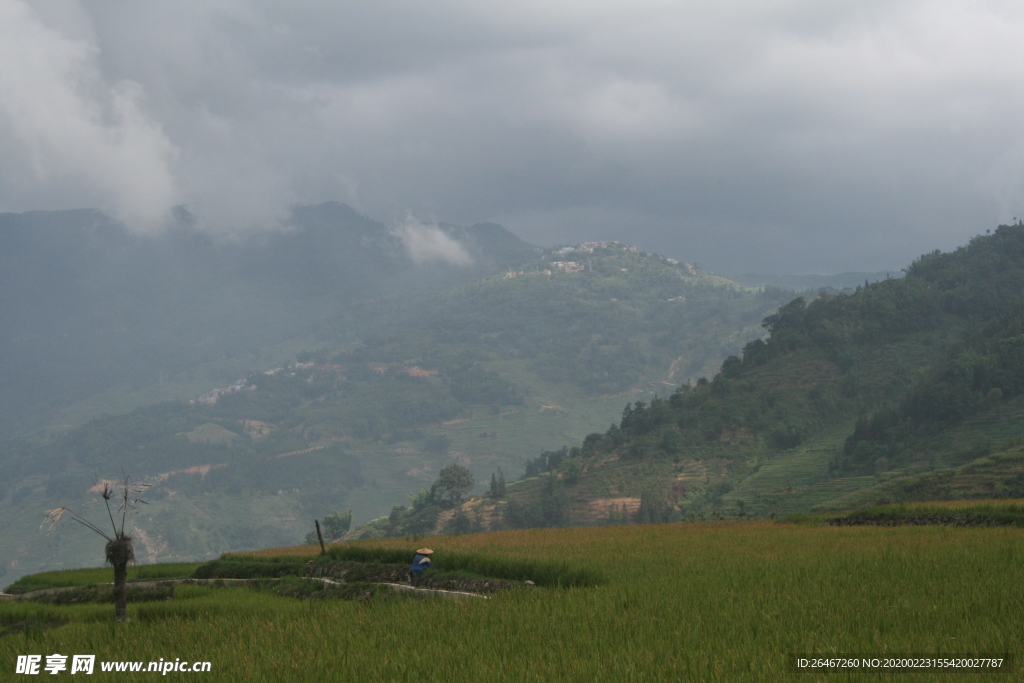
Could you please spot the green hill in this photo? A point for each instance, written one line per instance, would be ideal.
(882, 394)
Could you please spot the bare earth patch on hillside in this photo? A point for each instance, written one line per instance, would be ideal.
(604, 505)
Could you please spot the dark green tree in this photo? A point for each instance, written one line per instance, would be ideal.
(453, 482)
(732, 367)
(554, 502)
(337, 524)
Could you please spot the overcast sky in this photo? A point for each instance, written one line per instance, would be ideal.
(759, 136)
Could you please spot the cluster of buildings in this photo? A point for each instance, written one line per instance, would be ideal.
(211, 397)
(589, 247)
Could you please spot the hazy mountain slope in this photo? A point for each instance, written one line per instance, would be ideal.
(86, 307)
(885, 384)
(487, 374)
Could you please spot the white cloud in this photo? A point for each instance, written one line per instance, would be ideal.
(427, 243)
(69, 135)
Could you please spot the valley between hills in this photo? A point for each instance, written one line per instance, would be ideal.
(589, 384)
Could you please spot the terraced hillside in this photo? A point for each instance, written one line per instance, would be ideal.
(897, 391)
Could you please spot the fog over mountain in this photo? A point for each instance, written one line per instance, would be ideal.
(86, 305)
(797, 137)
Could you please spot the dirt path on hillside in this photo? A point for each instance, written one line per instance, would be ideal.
(304, 450)
(672, 369)
(478, 417)
(153, 548)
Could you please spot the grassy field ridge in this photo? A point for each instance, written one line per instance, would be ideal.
(690, 601)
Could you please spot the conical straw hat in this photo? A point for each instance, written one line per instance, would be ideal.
(425, 551)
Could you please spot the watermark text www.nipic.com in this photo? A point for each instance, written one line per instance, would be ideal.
(86, 664)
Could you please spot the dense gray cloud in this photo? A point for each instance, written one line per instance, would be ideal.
(790, 136)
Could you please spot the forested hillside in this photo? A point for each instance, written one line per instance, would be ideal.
(905, 389)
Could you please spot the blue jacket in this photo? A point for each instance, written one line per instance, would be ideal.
(420, 564)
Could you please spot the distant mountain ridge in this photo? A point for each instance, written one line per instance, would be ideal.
(800, 283)
(86, 305)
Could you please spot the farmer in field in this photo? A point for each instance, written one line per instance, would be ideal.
(420, 564)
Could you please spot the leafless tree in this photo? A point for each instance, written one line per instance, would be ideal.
(119, 550)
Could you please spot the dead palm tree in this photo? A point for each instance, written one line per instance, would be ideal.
(119, 550)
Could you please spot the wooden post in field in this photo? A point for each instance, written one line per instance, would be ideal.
(323, 550)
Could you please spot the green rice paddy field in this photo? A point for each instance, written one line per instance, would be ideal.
(725, 601)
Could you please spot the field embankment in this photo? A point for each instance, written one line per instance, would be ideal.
(972, 513)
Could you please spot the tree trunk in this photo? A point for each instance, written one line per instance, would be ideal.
(121, 590)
